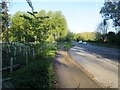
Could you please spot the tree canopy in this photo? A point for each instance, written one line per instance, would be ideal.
(111, 10)
(42, 25)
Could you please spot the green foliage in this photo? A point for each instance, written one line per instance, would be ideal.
(87, 36)
(67, 45)
(70, 36)
(111, 37)
(118, 38)
(25, 26)
(37, 74)
(4, 20)
(111, 10)
(50, 39)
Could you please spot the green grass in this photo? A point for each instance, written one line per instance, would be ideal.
(36, 74)
(67, 45)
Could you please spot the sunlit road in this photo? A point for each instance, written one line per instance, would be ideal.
(70, 76)
(100, 62)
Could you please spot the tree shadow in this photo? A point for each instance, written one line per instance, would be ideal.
(102, 52)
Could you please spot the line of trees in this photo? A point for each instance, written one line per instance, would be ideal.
(87, 36)
(41, 26)
(109, 11)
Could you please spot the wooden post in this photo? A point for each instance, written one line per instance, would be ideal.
(29, 51)
(20, 49)
(9, 49)
(3, 46)
(11, 65)
(33, 53)
(15, 53)
(26, 57)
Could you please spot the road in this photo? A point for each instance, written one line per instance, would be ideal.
(69, 75)
(100, 62)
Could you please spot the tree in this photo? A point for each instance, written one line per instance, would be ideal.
(5, 17)
(87, 36)
(41, 25)
(4, 14)
(0, 21)
(70, 36)
(19, 27)
(56, 25)
(111, 37)
(118, 39)
(102, 27)
(111, 10)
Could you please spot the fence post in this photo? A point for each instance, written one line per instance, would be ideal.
(26, 57)
(29, 51)
(20, 49)
(11, 65)
(33, 53)
(15, 53)
(3, 46)
(9, 49)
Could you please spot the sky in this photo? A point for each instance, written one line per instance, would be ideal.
(81, 16)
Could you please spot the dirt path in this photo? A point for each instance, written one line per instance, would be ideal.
(70, 76)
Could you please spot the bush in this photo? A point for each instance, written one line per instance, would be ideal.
(37, 74)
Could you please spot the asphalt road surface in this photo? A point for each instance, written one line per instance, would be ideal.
(69, 75)
(100, 62)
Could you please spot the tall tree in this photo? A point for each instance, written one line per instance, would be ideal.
(102, 27)
(111, 10)
(4, 14)
(111, 37)
(19, 27)
(41, 25)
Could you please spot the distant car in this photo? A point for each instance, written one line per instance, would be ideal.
(80, 42)
(84, 43)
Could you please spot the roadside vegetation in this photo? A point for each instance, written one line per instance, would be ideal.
(67, 45)
(37, 74)
(42, 32)
(110, 39)
(45, 32)
(104, 34)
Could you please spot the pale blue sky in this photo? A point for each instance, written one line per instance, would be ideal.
(80, 16)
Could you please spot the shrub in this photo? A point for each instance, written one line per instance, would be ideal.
(37, 74)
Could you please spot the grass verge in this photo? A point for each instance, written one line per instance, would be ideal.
(67, 45)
